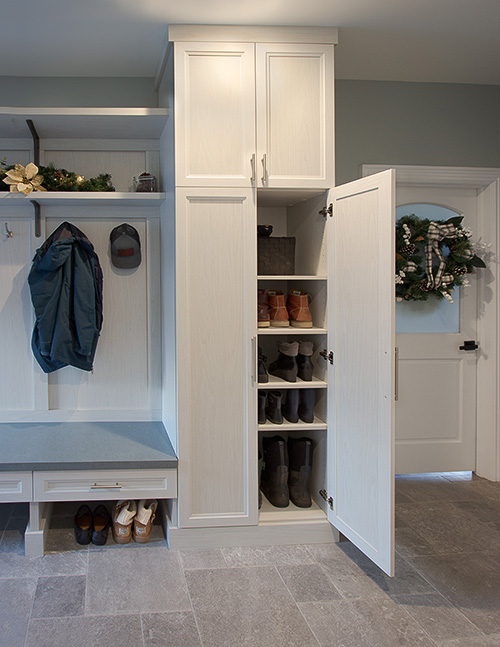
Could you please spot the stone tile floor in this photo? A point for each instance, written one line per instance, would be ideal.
(446, 592)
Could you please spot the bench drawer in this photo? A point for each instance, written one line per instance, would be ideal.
(99, 485)
(15, 486)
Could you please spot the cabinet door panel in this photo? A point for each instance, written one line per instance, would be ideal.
(215, 114)
(216, 322)
(360, 393)
(295, 115)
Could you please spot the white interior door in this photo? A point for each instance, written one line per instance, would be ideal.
(436, 406)
(360, 393)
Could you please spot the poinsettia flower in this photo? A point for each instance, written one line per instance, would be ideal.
(24, 180)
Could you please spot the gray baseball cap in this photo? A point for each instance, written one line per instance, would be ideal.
(125, 247)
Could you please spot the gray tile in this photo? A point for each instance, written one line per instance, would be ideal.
(59, 596)
(337, 624)
(308, 582)
(469, 582)
(16, 598)
(483, 641)
(246, 607)
(432, 488)
(13, 565)
(148, 580)
(437, 616)
(211, 558)
(266, 555)
(409, 543)
(356, 576)
(61, 536)
(390, 625)
(448, 528)
(170, 630)
(81, 631)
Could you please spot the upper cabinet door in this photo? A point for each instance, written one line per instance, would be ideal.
(295, 86)
(214, 114)
(361, 378)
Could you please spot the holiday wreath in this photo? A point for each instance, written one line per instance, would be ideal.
(432, 257)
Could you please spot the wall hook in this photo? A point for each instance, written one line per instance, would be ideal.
(8, 232)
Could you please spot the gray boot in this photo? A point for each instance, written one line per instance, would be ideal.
(300, 451)
(304, 364)
(274, 480)
(285, 366)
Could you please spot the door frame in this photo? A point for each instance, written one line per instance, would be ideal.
(487, 183)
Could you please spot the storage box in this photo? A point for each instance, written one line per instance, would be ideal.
(275, 255)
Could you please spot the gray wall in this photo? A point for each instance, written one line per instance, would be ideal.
(81, 92)
(415, 123)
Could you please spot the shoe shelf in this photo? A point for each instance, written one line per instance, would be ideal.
(290, 277)
(293, 426)
(278, 383)
(272, 515)
(292, 330)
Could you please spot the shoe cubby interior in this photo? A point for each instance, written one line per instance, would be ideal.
(268, 345)
(316, 289)
(319, 413)
(298, 217)
(268, 512)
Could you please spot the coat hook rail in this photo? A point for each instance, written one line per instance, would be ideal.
(38, 227)
(8, 232)
(36, 141)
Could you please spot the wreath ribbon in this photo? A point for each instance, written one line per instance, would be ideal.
(435, 235)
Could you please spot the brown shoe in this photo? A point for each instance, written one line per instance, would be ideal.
(123, 517)
(143, 523)
(298, 309)
(263, 309)
(278, 313)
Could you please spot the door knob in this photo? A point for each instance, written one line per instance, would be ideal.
(469, 345)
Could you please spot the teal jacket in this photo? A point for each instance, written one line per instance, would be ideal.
(66, 291)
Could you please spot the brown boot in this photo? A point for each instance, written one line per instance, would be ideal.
(143, 523)
(263, 309)
(278, 313)
(298, 309)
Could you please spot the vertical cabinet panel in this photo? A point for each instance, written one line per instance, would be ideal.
(216, 329)
(17, 378)
(215, 114)
(295, 115)
(360, 393)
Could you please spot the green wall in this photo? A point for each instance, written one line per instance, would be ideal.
(81, 92)
(437, 124)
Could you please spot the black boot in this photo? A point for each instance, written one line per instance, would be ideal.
(290, 409)
(274, 480)
(263, 377)
(306, 406)
(273, 407)
(285, 366)
(262, 407)
(300, 452)
(304, 364)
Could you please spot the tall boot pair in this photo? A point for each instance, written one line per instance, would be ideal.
(286, 472)
(299, 404)
(133, 520)
(294, 360)
(269, 407)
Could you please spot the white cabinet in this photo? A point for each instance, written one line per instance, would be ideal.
(216, 331)
(294, 93)
(254, 114)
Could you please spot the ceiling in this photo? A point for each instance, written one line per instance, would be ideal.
(454, 41)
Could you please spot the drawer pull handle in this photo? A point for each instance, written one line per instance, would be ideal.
(106, 486)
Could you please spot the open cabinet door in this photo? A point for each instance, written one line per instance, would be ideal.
(360, 380)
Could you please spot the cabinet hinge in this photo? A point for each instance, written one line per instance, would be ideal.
(327, 356)
(328, 499)
(327, 211)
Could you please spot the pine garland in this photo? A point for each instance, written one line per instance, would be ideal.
(414, 259)
(55, 179)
